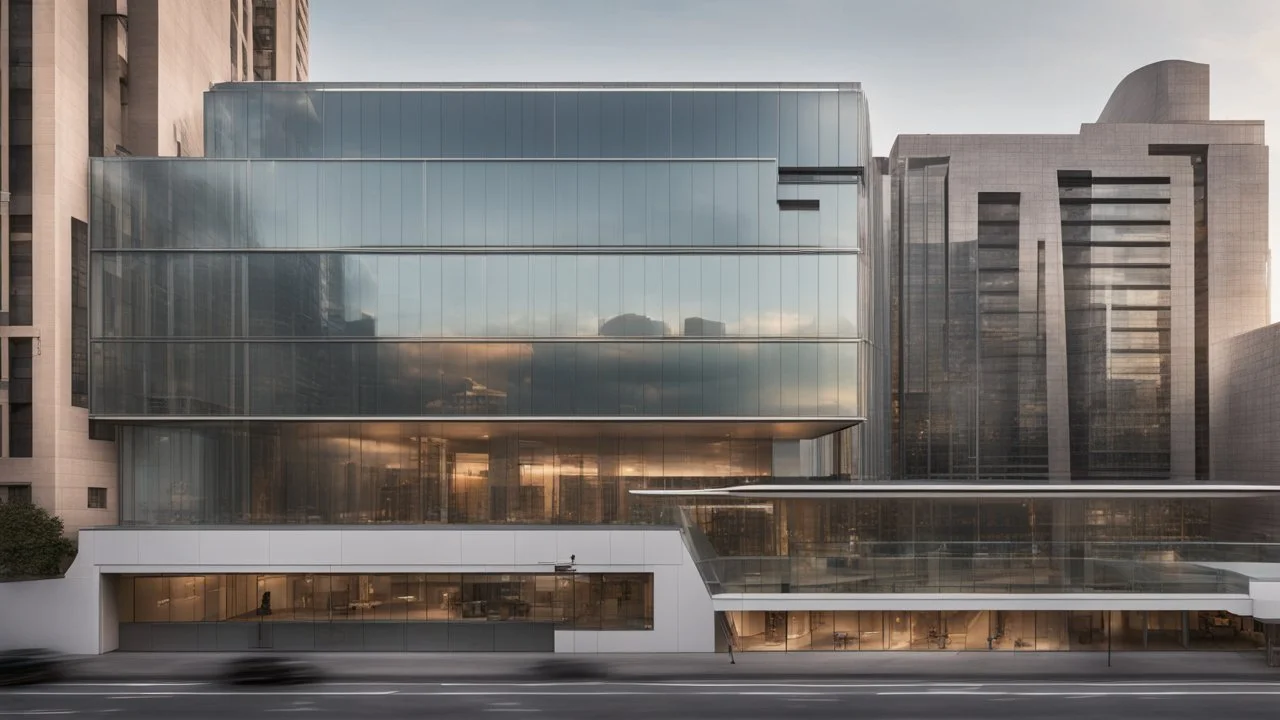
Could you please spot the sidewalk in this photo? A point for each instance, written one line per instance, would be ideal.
(827, 667)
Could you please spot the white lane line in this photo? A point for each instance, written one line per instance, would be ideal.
(1127, 693)
(218, 693)
(38, 712)
(138, 697)
(135, 684)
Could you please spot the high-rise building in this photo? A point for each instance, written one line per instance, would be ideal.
(270, 40)
(80, 79)
(1057, 297)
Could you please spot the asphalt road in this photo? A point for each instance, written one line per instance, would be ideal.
(670, 701)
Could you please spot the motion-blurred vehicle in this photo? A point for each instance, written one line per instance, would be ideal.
(569, 669)
(30, 665)
(270, 670)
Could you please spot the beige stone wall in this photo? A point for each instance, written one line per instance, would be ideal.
(65, 461)
(176, 51)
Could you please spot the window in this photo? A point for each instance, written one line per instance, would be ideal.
(20, 408)
(15, 494)
(79, 313)
(98, 498)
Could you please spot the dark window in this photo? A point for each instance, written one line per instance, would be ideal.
(15, 494)
(20, 308)
(79, 313)
(20, 414)
(98, 498)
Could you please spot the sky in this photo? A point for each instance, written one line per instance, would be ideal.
(927, 66)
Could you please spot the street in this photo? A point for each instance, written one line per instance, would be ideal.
(675, 700)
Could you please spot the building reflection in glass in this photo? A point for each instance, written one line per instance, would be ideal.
(456, 472)
(425, 379)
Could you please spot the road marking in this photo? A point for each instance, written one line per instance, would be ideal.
(138, 697)
(38, 712)
(1145, 695)
(206, 693)
(134, 684)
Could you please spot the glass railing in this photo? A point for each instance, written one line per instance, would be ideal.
(942, 574)
(990, 567)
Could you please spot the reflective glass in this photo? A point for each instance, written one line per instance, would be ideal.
(301, 607)
(414, 204)
(327, 121)
(177, 378)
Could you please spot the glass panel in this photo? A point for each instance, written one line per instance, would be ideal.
(408, 204)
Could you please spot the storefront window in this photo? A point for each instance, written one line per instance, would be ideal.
(994, 630)
(588, 601)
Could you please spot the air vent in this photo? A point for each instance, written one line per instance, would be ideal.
(798, 205)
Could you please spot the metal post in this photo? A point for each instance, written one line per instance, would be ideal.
(1109, 627)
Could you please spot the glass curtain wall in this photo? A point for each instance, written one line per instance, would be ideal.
(800, 125)
(320, 204)
(355, 473)
(1116, 275)
(969, 376)
(403, 295)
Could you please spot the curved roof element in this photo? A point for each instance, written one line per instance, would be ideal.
(1169, 91)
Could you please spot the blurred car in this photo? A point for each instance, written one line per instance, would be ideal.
(30, 665)
(569, 669)
(270, 670)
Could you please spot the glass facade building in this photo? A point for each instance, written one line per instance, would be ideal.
(408, 303)
(674, 368)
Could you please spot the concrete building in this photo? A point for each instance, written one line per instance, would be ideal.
(79, 80)
(1057, 298)
(1248, 397)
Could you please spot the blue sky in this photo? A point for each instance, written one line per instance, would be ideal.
(940, 66)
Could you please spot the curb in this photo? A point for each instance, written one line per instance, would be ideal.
(751, 676)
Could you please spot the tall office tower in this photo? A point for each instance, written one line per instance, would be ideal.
(582, 291)
(270, 39)
(1057, 298)
(81, 79)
